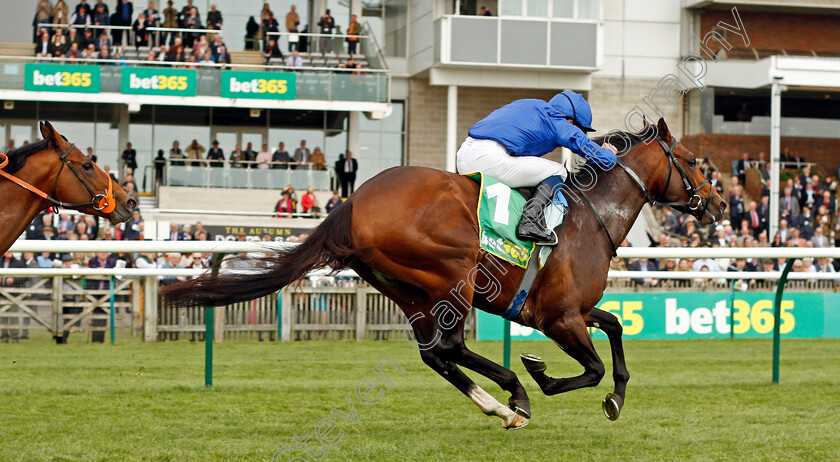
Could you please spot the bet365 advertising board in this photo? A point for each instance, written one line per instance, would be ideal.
(63, 78)
(690, 315)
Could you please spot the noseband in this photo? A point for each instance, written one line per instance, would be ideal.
(694, 203)
(104, 203)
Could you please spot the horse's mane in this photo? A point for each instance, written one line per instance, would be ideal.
(18, 156)
(623, 141)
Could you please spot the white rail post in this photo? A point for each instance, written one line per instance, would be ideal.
(57, 295)
(136, 295)
(286, 315)
(150, 310)
(219, 324)
(361, 313)
(775, 166)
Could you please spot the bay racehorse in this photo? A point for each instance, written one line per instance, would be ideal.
(54, 173)
(412, 233)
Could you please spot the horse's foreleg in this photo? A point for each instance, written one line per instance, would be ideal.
(609, 324)
(481, 398)
(571, 335)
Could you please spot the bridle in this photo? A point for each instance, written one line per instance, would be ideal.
(694, 203)
(104, 203)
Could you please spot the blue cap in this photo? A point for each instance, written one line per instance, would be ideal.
(574, 106)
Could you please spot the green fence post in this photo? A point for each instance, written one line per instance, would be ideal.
(777, 314)
(111, 287)
(208, 346)
(732, 311)
(506, 353)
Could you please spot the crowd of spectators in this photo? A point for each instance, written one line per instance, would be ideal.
(807, 212)
(80, 37)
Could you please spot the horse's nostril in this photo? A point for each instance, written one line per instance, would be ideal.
(722, 206)
(131, 204)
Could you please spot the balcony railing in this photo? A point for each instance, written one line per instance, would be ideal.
(548, 43)
(207, 174)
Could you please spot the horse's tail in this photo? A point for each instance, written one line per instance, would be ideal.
(330, 244)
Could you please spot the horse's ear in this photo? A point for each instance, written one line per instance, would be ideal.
(47, 131)
(662, 128)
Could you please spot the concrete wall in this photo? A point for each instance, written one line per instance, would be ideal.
(612, 98)
(220, 199)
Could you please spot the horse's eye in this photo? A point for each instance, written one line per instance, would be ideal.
(88, 166)
(692, 163)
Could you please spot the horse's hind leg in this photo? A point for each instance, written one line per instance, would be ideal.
(449, 371)
(571, 335)
(610, 325)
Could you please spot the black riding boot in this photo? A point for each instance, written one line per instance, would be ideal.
(532, 224)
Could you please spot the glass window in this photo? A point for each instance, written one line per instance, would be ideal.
(105, 147)
(563, 8)
(510, 7)
(538, 8)
(396, 17)
(588, 9)
(23, 134)
(335, 143)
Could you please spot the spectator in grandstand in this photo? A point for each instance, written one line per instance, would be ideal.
(315, 210)
(715, 182)
(121, 17)
(152, 14)
(272, 51)
(200, 46)
(214, 18)
(327, 25)
(250, 155)
(170, 21)
(350, 64)
(59, 43)
(105, 54)
(131, 189)
(743, 165)
(806, 223)
(736, 205)
(222, 57)
(175, 154)
(73, 37)
(43, 14)
(334, 202)
(59, 14)
(756, 222)
(252, 30)
(101, 16)
(151, 57)
(827, 201)
(141, 31)
(206, 57)
(192, 21)
(100, 2)
(160, 166)
(484, 11)
(263, 157)
(195, 152)
(819, 239)
(103, 41)
(216, 154)
(87, 39)
(292, 21)
(302, 156)
(269, 28)
(280, 158)
(319, 161)
(173, 260)
(81, 14)
(348, 177)
(108, 171)
(308, 200)
(354, 30)
(129, 156)
(284, 207)
(643, 264)
(44, 48)
(237, 156)
(175, 234)
(294, 60)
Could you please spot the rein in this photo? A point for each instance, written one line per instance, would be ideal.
(104, 203)
(672, 162)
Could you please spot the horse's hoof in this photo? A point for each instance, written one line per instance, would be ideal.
(515, 423)
(612, 405)
(533, 363)
(521, 407)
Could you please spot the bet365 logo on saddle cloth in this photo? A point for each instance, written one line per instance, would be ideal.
(59, 77)
(499, 210)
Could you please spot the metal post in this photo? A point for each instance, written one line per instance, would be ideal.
(777, 314)
(111, 288)
(451, 126)
(732, 310)
(775, 166)
(507, 344)
(208, 346)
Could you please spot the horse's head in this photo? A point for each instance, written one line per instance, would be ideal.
(80, 183)
(676, 177)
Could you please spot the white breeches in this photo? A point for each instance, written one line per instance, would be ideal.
(491, 158)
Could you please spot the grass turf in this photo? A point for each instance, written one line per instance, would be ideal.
(691, 399)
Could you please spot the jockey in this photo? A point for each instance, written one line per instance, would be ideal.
(508, 143)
